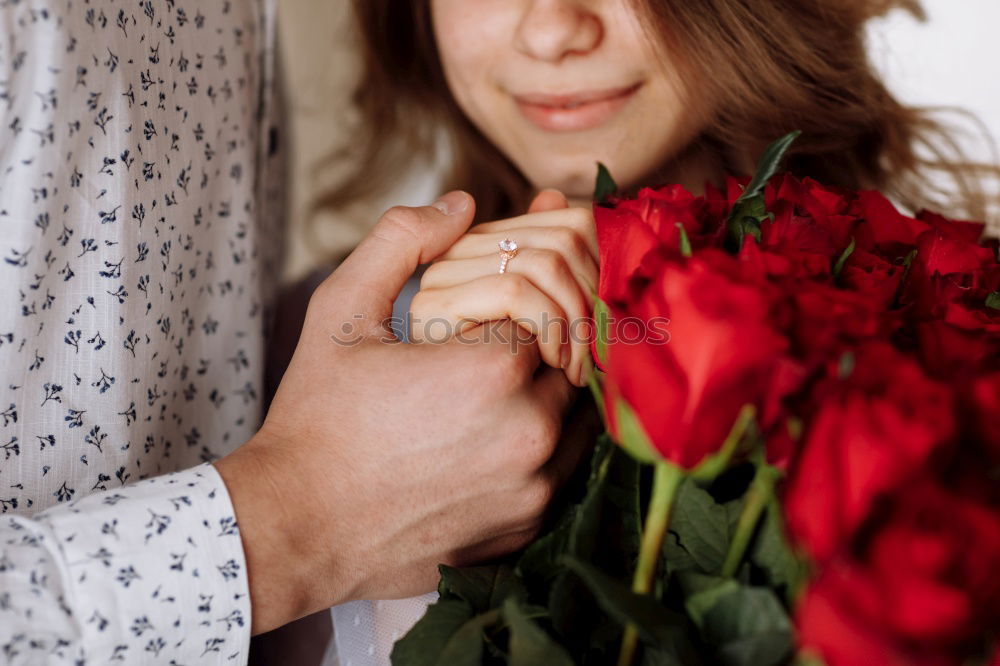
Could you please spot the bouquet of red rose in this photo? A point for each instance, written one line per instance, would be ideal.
(807, 386)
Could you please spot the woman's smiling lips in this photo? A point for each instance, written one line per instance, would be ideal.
(576, 111)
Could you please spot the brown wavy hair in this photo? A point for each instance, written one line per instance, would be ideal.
(772, 67)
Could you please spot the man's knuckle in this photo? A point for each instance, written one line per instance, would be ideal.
(400, 224)
(524, 538)
(537, 496)
(538, 443)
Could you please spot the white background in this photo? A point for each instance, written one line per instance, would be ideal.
(953, 59)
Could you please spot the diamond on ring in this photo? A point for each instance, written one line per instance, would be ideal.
(508, 249)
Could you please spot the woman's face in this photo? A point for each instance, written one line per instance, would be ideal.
(559, 85)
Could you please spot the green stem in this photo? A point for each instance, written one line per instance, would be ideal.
(759, 494)
(667, 478)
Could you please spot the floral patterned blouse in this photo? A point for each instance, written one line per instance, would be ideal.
(139, 236)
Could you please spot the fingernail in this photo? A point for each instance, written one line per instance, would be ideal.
(452, 203)
(564, 357)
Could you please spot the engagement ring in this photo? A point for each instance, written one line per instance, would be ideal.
(508, 249)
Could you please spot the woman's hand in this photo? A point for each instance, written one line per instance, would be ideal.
(547, 290)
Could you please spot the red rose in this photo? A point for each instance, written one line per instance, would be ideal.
(979, 318)
(630, 254)
(943, 253)
(971, 232)
(759, 266)
(635, 234)
(868, 434)
(827, 627)
(809, 247)
(885, 228)
(923, 590)
(662, 209)
(949, 351)
(811, 197)
(823, 320)
(984, 398)
(873, 276)
(721, 355)
(734, 188)
(946, 269)
(950, 268)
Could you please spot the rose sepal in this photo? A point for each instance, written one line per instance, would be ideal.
(714, 465)
(631, 436)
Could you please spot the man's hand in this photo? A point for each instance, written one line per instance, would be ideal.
(377, 461)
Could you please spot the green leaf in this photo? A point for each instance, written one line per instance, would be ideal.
(675, 558)
(430, 636)
(734, 508)
(580, 539)
(602, 315)
(769, 164)
(656, 624)
(762, 649)
(652, 656)
(747, 625)
(752, 627)
(605, 531)
(702, 592)
(685, 242)
(529, 644)
(749, 210)
(699, 530)
(541, 560)
(844, 256)
(632, 436)
(483, 587)
(600, 461)
(772, 553)
(993, 300)
(578, 527)
(465, 647)
(605, 185)
(624, 495)
(585, 531)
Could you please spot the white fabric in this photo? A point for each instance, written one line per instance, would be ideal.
(365, 631)
(139, 232)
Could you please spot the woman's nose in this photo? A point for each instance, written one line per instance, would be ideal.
(550, 30)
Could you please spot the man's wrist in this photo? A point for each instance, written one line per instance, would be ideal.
(275, 528)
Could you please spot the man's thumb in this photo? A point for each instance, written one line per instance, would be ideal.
(366, 284)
